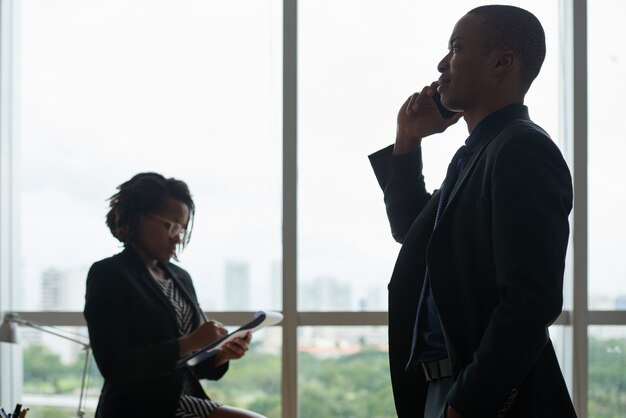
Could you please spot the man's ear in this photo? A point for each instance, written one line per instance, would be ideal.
(504, 61)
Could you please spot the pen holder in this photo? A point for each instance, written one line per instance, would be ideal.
(18, 412)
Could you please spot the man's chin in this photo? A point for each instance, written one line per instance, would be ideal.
(445, 96)
(449, 103)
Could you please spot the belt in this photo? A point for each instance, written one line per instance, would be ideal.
(437, 369)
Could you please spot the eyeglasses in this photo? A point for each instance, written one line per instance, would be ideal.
(173, 228)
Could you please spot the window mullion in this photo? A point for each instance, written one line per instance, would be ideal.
(10, 355)
(290, 156)
(574, 66)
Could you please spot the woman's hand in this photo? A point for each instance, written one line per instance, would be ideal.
(202, 336)
(234, 350)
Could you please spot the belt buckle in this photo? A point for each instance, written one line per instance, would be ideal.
(426, 373)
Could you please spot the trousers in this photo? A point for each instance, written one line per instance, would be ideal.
(436, 397)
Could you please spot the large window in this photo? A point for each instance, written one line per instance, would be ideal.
(269, 109)
(353, 77)
(606, 200)
(607, 196)
(110, 89)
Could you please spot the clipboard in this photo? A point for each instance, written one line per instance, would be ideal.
(261, 320)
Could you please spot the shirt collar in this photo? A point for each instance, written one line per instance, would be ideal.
(504, 114)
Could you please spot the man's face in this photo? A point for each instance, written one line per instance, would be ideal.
(463, 69)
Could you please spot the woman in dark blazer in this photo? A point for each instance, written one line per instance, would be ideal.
(142, 311)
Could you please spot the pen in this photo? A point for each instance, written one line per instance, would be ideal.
(23, 413)
(18, 409)
(3, 413)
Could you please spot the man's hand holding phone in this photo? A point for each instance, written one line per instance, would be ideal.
(420, 117)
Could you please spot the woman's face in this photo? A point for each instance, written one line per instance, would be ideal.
(159, 233)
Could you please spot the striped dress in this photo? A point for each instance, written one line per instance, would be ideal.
(190, 404)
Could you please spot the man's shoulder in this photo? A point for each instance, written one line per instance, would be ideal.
(525, 133)
(521, 127)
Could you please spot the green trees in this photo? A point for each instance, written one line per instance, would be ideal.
(44, 373)
(607, 378)
(351, 386)
(354, 386)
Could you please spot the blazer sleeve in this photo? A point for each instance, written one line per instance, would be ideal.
(531, 198)
(402, 182)
(111, 336)
(207, 369)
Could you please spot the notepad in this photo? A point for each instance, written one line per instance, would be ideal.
(261, 320)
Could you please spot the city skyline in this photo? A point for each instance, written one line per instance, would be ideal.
(63, 290)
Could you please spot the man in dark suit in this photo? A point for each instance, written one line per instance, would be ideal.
(479, 277)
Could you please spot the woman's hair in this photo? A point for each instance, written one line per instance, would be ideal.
(143, 194)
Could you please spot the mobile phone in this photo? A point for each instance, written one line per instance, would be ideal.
(445, 113)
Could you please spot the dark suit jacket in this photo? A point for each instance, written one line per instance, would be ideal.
(133, 333)
(496, 263)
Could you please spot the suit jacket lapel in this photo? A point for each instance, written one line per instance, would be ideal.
(493, 132)
(149, 283)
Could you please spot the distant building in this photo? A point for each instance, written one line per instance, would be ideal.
(237, 286)
(374, 300)
(330, 294)
(276, 285)
(62, 290)
(620, 303)
(602, 302)
(52, 299)
(325, 294)
(53, 296)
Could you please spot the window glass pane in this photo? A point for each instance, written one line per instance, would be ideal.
(354, 74)
(190, 89)
(607, 194)
(52, 373)
(344, 372)
(560, 336)
(607, 371)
